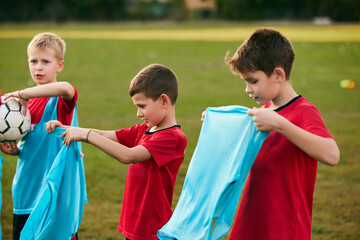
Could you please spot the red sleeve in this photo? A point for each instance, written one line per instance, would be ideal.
(312, 121)
(127, 136)
(165, 147)
(65, 108)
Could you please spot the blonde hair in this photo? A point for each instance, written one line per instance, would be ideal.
(49, 40)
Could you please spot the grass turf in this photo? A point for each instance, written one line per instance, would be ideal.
(101, 69)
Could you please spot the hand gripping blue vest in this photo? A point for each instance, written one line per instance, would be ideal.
(227, 147)
(38, 151)
(58, 209)
(58, 212)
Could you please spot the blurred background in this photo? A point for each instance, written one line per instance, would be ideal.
(321, 11)
(109, 41)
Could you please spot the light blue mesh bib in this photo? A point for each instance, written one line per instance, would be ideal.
(38, 151)
(59, 207)
(227, 147)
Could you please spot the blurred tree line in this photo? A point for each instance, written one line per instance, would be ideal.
(336, 10)
(116, 10)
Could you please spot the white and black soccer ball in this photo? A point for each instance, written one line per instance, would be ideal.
(13, 124)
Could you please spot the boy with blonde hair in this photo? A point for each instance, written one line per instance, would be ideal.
(49, 100)
(278, 195)
(153, 149)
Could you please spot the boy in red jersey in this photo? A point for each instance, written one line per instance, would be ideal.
(278, 195)
(154, 151)
(48, 100)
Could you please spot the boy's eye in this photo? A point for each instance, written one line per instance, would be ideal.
(33, 61)
(252, 81)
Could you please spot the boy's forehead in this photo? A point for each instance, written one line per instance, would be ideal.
(246, 75)
(41, 50)
(251, 75)
(139, 97)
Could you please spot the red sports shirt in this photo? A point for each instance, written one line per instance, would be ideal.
(150, 184)
(65, 109)
(278, 195)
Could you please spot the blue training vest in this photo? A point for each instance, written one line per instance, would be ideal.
(38, 151)
(49, 182)
(227, 147)
(58, 213)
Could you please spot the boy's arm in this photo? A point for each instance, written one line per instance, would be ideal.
(63, 89)
(322, 149)
(104, 140)
(108, 143)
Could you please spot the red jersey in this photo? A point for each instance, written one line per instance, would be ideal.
(150, 184)
(65, 109)
(278, 195)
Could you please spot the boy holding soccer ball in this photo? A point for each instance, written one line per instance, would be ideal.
(153, 149)
(278, 195)
(49, 100)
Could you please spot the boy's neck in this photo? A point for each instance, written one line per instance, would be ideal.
(286, 94)
(168, 121)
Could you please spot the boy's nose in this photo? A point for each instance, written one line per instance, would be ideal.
(38, 66)
(248, 89)
(139, 113)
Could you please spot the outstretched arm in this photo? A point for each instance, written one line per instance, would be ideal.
(115, 149)
(322, 149)
(104, 140)
(63, 89)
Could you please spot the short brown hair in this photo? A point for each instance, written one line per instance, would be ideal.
(265, 50)
(49, 40)
(154, 80)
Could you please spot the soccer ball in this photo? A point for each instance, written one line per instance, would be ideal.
(13, 124)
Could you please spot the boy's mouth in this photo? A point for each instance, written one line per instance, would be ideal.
(253, 97)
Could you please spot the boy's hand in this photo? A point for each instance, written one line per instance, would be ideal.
(50, 125)
(23, 101)
(265, 119)
(74, 134)
(9, 148)
(203, 116)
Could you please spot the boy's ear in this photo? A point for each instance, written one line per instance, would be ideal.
(279, 74)
(165, 100)
(60, 66)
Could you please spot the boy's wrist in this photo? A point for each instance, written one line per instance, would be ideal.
(282, 125)
(22, 97)
(87, 136)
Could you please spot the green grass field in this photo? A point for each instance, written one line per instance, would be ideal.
(101, 60)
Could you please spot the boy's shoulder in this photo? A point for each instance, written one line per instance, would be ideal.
(304, 114)
(170, 135)
(297, 104)
(303, 106)
(142, 131)
(173, 131)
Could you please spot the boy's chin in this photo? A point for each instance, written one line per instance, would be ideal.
(260, 102)
(149, 125)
